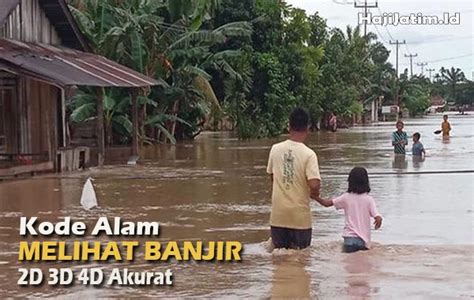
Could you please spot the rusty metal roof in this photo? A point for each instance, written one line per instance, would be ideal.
(6, 7)
(66, 67)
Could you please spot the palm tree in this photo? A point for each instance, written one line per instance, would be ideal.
(452, 77)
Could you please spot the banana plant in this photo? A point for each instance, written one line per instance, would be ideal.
(116, 108)
(162, 39)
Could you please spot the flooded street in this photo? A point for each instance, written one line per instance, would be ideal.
(216, 188)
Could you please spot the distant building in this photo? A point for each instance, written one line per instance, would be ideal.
(437, 104)
(43, 56)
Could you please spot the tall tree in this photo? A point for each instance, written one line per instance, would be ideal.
(452, 77)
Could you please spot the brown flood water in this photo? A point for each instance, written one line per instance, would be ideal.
(215, 188)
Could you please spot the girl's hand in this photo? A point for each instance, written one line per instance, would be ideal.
(378, 222)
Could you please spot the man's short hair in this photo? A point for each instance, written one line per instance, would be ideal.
(299, 119)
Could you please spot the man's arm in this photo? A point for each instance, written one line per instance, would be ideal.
(315, 187)
(324, 202)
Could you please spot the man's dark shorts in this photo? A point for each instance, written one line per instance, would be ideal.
(290, 238)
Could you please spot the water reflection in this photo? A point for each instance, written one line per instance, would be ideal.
(290, 278)
(399, 162)
(417, 161)
(359, 269)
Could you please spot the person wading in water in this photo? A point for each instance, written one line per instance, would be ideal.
(399, 139)
(294, 170)
(333, 122)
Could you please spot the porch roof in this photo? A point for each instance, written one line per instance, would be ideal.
(67, 67)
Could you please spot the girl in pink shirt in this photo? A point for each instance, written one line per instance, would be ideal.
(359, 207)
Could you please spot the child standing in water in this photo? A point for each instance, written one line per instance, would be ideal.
(445, 126)
(399, 139)
(359, 207)
(418, 149)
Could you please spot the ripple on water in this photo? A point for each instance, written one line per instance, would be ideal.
(223, 208)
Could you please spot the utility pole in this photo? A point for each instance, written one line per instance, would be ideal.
(422, 65)
(430, 70)
(411, 62)
(397, 43)
(365, 6)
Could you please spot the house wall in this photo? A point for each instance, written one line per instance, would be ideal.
(34, 105)
(29, 23)
(8, 113)
(41, 121)
(29, 111)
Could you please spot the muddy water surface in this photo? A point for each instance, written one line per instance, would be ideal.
(215, 188)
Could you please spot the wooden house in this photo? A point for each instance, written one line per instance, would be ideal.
(43, 56)
(437, 104)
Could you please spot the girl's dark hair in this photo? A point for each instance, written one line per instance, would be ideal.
(358, 181)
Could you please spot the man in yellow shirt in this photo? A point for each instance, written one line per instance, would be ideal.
(294, 171)
(445, 126)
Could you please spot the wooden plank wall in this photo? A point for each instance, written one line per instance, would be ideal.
(42, 117)
(31, 126)
(8, 115)
(8, 111)
(29, 23)
(37, 103)
(71, 160)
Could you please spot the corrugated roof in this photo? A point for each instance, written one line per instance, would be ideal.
(437, 100)
(63, 66)
(6, 7)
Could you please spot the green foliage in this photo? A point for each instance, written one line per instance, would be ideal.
(271, 99)
(162, 39)
(465, 94)
(450, 78)
(415, 93)
(116, 108)
(249, 62)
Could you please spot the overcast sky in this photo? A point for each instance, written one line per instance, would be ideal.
(439, 45)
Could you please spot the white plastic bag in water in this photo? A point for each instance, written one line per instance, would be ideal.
(88, 198)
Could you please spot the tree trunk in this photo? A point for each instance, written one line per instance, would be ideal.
(108, 132)
(142, 124)
(174, 113)
(100, 127)
(135, 142)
